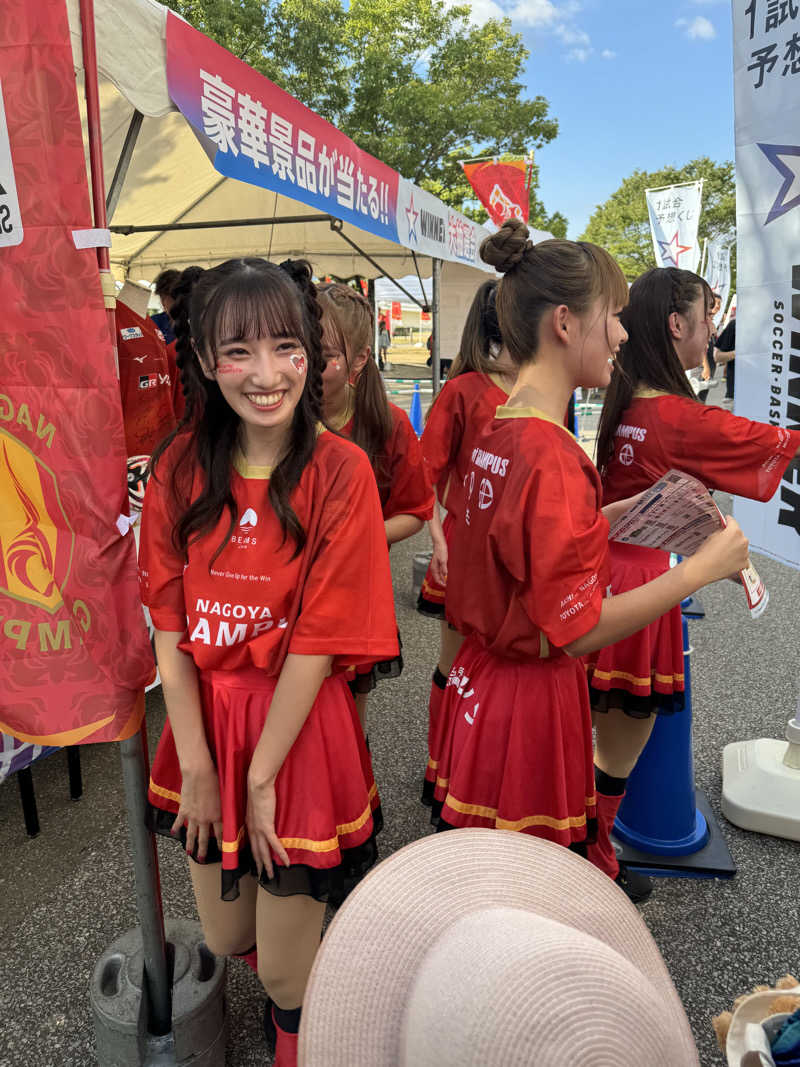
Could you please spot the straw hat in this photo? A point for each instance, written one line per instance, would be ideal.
(490, 948)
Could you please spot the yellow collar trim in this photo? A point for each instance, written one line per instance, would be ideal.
(249, 470)
(506, 412)
(646, 393)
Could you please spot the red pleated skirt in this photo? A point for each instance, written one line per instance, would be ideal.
(644, 673)
(516, 747)
(325, 790)
(431, 595)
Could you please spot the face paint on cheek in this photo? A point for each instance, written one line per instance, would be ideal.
(228, 368)
(298, 362)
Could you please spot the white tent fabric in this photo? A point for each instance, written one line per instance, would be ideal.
(171, 180)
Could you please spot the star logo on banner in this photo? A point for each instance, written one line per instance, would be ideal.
(673, 249)
(789, 193)
(412, 217)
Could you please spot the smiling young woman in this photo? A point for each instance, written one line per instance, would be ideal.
(255, 521)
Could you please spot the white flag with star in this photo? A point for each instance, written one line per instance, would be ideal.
(766, 80)
(674, 212)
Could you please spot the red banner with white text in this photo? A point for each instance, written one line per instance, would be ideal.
(75, 652)
(502, 187)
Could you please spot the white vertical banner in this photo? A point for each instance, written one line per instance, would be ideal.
(766, 64)
(718, 273)
(674, 212)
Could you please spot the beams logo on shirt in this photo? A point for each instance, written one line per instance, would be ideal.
(248, 522)
(36, 549)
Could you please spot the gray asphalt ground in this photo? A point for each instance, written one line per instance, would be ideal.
(68, 893)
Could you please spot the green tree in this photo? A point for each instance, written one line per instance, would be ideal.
(413, 82)
(621, 224)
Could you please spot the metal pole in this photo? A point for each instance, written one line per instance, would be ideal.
(123, 163)
(436, 351)
(133, 753)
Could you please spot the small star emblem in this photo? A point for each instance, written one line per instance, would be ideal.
(412, 217)
(673, 250)
(789, 193)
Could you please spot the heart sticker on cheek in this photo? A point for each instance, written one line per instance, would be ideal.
(298, 362)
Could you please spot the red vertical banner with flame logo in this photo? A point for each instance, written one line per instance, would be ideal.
(75, 652)
(501, 186)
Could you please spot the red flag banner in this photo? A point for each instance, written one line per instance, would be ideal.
(397, 311)
(75, 652)
(502, 187)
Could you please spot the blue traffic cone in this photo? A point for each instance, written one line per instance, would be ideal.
(415, 414)
(665, 825)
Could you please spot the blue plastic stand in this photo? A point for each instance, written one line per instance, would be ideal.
(415, 414)
(665, 826)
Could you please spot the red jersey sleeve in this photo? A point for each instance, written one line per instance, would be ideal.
(348, 604)
(567, 545)
(735, 455)
(160, 563)
(409, 490)
(442, 435)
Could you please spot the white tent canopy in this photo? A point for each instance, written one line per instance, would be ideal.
(171, 180)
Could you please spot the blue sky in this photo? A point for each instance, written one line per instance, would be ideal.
(633, 85)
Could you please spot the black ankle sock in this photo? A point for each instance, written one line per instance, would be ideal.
(288, 1021)
(439, 679)
(241, 955)
(608, 786)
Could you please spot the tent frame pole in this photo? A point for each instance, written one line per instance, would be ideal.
(124, 161)
(133, 750)
(336, 226)
(436, 304)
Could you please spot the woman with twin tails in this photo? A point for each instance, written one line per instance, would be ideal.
(532, 559)
(255, 529)
(356, 405)
(480, 379)
(652, 422)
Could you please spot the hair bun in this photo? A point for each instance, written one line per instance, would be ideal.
(300, 271)
(506, 248)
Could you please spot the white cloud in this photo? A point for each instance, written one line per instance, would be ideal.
(579, 55)
(556, 17)
(697, 29)
(608, 54)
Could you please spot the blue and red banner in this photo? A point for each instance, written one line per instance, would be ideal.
(75, 652)
(257, 133)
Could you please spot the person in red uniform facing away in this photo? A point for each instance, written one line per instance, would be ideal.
(532, 559)
(651, 422)
(480, 380)
(356, 406)
(264, 565)
(144, 375)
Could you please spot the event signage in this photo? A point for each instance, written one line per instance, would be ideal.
(674, 212)
(718, 273)
(766, 43)
(75, 653)
(502, 186)
(256, 132)
(430, 227)
(10, 218)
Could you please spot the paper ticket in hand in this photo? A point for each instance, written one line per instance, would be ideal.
(678, 514)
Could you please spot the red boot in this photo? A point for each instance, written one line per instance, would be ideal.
(602, 854)
(286, 1041)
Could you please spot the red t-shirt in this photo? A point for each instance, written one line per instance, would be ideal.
(145, 382)
(720, 449)
(531, 553)
(465, 404)
(178, 399)
(254, 603)
(405, 490)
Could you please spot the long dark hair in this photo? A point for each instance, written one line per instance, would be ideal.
(349, 317)
(648, 358)
(240, 298)
(481, 334)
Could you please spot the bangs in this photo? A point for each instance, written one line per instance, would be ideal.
(332, 332)
(609, 279)
(254, 303)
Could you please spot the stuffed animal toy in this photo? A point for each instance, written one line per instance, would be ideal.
(782, 1003)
